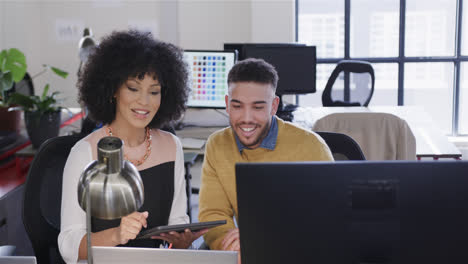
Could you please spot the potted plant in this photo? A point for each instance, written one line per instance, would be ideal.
(42, 114)
(12, 70)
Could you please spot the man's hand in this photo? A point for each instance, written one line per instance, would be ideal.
(130, 226)
(231, 242)
(180, 240)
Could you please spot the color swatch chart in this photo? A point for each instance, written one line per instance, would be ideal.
(208, 77)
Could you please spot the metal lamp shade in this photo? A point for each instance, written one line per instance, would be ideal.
(115, 186)
(86, 47)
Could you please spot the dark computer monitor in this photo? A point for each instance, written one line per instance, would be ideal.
(240, 47)
(353, 212)
(208, 72)
(295, 64)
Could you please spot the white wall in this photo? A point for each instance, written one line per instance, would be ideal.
(2, 23)
(273, 21)
(205, 24)
(31, 26)
(20, 29)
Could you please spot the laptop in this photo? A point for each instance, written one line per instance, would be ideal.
(117, 255)
(17, 260)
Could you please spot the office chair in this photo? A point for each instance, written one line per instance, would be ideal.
(25, 86)
(43, 195)
(342, 146)
(381, 136)
(347, 66)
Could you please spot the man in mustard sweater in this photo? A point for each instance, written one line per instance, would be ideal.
(255, 135)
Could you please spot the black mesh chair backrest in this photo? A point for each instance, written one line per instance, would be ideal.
(353, 66)
(342, 146)
(25, 86)
(42, 197)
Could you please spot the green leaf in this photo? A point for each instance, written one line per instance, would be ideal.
(47, 105)
(44, 93)
(3, 55)
(59, 72)
(6, 81)
(26, 102)
(15, 62)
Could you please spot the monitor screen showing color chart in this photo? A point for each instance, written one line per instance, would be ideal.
(208, 76)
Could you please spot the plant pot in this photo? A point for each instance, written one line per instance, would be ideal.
(10, 121)
(41, 127)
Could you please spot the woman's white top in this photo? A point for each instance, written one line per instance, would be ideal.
(73, 218)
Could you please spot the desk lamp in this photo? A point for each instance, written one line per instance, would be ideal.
(86, 46)
(109, 187)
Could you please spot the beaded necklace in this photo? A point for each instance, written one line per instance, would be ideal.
(148, 140)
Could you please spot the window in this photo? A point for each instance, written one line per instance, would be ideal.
(463, 119)
(430, 28)
(322, 25)
(413, 46)
(374, 28)
(430, 85)
(386, 84)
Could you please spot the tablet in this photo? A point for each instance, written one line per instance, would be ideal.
(178, 228)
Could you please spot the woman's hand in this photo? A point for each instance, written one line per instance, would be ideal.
(180, 240)
(130, 226)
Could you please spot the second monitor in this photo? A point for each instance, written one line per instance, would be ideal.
(208, 72)
(295, 64)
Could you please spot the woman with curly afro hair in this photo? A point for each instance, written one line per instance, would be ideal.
(133, 85)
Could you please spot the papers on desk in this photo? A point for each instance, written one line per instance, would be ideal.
(192, 143)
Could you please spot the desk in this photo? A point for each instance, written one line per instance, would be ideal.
(430, 141)
(197, 132)
(26, 153)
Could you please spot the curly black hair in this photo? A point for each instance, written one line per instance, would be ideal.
(132, 54)
(253, 70)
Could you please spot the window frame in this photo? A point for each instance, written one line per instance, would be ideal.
(401, 60)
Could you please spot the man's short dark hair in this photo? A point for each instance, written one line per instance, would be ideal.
(253, 70)
(133, 54)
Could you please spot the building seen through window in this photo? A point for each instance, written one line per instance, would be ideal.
(429, 55)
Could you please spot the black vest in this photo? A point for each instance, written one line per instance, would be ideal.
(158, 184)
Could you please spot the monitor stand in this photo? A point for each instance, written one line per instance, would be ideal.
(285, 111)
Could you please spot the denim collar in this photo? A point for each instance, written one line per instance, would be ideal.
(269, 142)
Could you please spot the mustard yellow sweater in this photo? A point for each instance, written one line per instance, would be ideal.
(218, 198)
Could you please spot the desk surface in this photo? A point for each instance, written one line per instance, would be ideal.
(197, 132)
(12, 170)
(430, 140)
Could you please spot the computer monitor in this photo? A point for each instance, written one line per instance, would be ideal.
(208, 76)
(353, 212)
(240, 47)
(295, 64)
